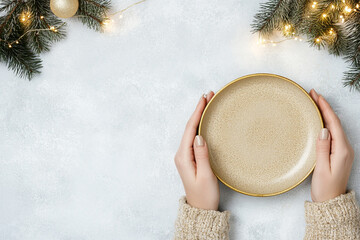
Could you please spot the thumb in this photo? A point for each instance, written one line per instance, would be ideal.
(201, 156)
(323, 150)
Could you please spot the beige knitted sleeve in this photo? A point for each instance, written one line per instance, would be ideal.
(194, 223)
(338, 218)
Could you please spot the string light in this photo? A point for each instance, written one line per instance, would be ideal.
(344, 9)
(26, 15)
(106, 21)
(51, 28)
(261, 41)
(342, 18)
(348, 9)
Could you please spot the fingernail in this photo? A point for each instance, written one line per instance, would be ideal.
(202, 96)
(324, 134)
(199, 141)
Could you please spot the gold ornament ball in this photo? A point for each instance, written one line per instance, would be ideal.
(64, 8)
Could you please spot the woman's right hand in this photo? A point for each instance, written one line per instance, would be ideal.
(334, 155)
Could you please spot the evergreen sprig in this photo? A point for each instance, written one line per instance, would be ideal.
(272, 16)
(337, 31)
(93, 13)
(22, 42)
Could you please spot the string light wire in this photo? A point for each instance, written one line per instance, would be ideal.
(25, 16)
(344, 11)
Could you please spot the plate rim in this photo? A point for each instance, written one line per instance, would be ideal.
(268, 75)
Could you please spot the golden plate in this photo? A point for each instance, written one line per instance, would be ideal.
(261, 130)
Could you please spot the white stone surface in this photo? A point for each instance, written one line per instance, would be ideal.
(86, 148)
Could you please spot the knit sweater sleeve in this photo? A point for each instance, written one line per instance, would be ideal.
(337, 218)
(194, 223)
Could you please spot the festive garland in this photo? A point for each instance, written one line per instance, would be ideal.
(330, 24)
(29, 28)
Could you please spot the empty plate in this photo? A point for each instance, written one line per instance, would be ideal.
(261, 130)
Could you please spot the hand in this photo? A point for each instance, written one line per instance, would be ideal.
(192, 162)
(334, 156)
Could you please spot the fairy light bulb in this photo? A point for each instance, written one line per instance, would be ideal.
(348, 9)
(287, 27)
(9, 46)
(317, 40)
(106, 21)
(24, 17)
(314, 4)
(342, 18)
(332, 6)
(324, 15)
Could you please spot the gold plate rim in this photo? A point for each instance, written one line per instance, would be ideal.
(268, 75)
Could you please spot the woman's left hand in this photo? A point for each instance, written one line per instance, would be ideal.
(192, 162)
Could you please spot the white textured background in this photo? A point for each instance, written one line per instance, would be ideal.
(86, 148)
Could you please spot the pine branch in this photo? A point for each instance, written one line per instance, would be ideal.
(10, 16)
(19, 58)
(7, 5)
(41, 41)
(273, 15)
(352, 51)
(298, 13)
(320, 21)
(92, 13)
(352, 78)
(339, 45)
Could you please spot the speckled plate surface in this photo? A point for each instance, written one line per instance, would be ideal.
(261, 130)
